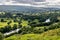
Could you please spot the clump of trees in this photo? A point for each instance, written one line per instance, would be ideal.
(53, 26)
(25, 30)
(34, 24)
(6, 29)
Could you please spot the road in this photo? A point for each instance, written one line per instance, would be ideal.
(11, 32)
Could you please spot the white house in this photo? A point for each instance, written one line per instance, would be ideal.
(48, 20)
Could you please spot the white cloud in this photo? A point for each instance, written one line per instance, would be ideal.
(45, 3)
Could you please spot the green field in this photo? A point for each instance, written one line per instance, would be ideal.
(24, 23)
(3, 24)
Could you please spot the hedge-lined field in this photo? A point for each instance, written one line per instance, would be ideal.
(3, 24)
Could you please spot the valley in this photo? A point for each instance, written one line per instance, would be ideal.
(30, 26)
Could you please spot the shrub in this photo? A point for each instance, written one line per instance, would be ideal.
(1, 36)
(38, 29)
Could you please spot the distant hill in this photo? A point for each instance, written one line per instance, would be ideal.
(12, 8)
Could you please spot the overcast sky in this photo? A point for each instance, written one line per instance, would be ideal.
(34, 3)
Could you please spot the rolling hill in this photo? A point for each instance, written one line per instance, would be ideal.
(13, 8)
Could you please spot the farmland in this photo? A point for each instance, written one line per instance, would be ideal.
(42, 26)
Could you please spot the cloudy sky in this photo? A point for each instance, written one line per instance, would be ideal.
(34, 3)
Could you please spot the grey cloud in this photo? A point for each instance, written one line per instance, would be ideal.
(23, 1)
(29, 1)
(39, 0)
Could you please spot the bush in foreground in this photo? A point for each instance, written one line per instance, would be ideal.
(1, 36)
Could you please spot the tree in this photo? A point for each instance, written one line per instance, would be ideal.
(15, 20)
(19, 26)
(14, 26)
(2, 20)
(9, 22)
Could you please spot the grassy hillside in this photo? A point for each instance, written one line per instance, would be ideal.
(49, 35)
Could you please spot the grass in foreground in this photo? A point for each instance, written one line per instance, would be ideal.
(49, 35)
